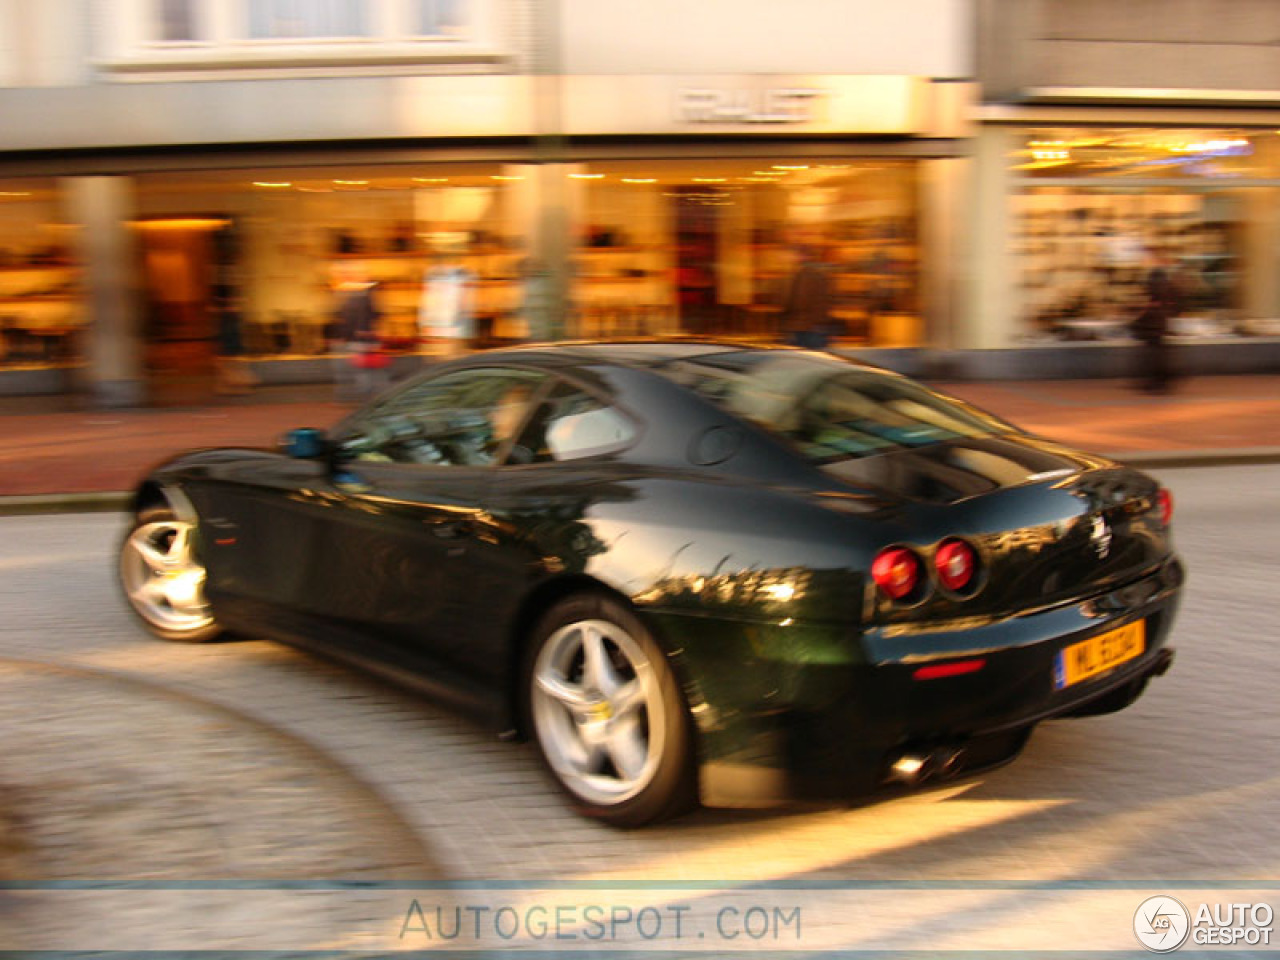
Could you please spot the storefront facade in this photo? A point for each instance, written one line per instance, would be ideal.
(1108, 144)
(217, 184)
(698, 234)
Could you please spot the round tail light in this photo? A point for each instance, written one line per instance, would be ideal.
(896, 571)
(1165, 500)
(957, 565)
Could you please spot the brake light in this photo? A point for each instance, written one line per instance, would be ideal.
(1165, 499)
(956, 564)
(896, 571)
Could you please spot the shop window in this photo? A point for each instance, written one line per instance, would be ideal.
(784, 250)
(303, 19)
(41, 304)
(1097, 210)
(176, 21)
(1084, 257)
(168, 36)
(442, 251)
(439, 18)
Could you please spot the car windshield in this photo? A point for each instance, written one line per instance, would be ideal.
(830, 410)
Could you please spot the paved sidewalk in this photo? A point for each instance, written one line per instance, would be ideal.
(69, 458)
(108, 777)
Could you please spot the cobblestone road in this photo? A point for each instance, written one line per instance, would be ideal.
(1183, 785)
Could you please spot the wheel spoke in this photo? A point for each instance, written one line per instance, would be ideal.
(628, 749)
(144, 548)
(597, 669)
(180, 548)
(627, 698)
(150, 591)
(570, 695)
(185, 591)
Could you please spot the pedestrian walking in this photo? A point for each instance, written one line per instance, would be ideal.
(365, 371)
(807, 312)
(1162, 303)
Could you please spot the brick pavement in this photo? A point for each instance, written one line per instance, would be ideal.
(67, 451)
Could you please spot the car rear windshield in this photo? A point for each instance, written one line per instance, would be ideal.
(830, 410)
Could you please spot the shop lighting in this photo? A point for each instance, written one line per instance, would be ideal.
(351, 183)
(181, 223)
(273, 185)
(639, 180)
(430, 179)
(783, 166)
(498, 176)
(709, 179)
(15, 193)
(767, 173)
(586, 176)
(760, 179)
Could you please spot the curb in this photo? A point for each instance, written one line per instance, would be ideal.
(36, 503)
(117, 501)
(1226, 457)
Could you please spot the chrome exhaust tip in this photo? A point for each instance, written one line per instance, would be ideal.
(915, 767)
(909, 768)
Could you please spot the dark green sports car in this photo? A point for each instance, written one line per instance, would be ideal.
(687, 571)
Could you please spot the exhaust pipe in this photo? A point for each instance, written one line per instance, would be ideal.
(913, 768)
(1164, 660)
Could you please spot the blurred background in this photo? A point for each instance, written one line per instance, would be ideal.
(982, 182)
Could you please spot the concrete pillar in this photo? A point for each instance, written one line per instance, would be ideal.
(102, 208)
(989, 318)
(942, 184)
(1261, 294)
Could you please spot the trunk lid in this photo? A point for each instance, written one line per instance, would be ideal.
(1049, 523)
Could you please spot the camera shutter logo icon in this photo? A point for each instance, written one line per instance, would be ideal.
(1161, 924)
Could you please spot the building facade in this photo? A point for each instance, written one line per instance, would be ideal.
(1110, 135)
(184, 178)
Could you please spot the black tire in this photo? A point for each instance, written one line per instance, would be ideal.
(668, 788)
(156, 533)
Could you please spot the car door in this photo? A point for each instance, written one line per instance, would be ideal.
(261, 533)
(409, 542)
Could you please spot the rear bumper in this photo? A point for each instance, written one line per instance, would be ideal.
(846, 724)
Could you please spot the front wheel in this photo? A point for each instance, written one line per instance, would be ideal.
(607, 714)
(163, 579)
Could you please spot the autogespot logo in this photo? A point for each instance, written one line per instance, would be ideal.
(1161, 924)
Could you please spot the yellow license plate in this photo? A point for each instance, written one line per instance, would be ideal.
(1088, 658)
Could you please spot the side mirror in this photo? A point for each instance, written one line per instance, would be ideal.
(305, 443)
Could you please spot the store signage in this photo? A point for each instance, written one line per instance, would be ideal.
(777, 105)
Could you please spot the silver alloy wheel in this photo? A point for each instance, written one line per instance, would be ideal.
(162, 579)
(598, 712)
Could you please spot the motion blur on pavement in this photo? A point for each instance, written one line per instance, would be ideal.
(223, 219)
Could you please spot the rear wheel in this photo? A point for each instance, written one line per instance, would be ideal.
(163, 579)
(607, 714)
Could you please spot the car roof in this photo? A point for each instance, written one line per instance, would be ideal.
(635, 353)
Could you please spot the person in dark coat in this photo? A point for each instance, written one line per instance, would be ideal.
(365, 371)
(1163, 302)
(807, 312)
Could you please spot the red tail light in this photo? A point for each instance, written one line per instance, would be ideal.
(896, 571)
(956, 668)
(1165, 499)
(957, 565)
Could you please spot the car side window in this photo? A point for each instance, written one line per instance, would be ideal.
(570, 424)
(462, 418)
